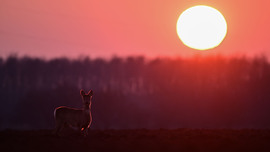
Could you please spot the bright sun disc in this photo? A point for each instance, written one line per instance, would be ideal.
(201, 27)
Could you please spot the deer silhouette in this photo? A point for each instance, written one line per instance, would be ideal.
(75, 118)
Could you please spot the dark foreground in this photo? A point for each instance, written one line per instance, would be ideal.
(180, 140)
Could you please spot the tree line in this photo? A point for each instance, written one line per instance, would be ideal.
(134, 92)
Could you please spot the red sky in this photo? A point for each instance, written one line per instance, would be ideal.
(103, 28)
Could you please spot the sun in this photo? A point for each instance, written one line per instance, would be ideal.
(201, 27)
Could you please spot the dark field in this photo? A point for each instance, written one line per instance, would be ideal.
(139, 140)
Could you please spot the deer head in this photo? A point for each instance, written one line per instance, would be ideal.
(86, 98)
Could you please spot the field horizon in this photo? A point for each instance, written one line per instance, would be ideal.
(192, 140)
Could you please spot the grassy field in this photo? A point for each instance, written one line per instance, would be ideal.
(141, 140)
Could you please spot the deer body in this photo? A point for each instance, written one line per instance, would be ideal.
(75, 118)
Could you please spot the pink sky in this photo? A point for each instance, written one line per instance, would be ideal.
(103, 28)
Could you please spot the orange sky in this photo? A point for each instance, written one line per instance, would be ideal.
(102, 28)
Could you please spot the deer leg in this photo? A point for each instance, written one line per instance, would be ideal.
(58, 128)
(84, 131)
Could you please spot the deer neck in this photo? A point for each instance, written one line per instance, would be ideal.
(87, 109)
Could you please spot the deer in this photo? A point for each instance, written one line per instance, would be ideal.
(80, 119)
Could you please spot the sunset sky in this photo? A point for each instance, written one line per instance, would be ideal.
(104, 28)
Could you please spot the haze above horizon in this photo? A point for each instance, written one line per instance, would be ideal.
(105, 28)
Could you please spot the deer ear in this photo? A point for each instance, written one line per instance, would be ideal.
(90, 92)
(82, 92)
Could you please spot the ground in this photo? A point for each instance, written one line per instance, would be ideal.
(140, 140)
